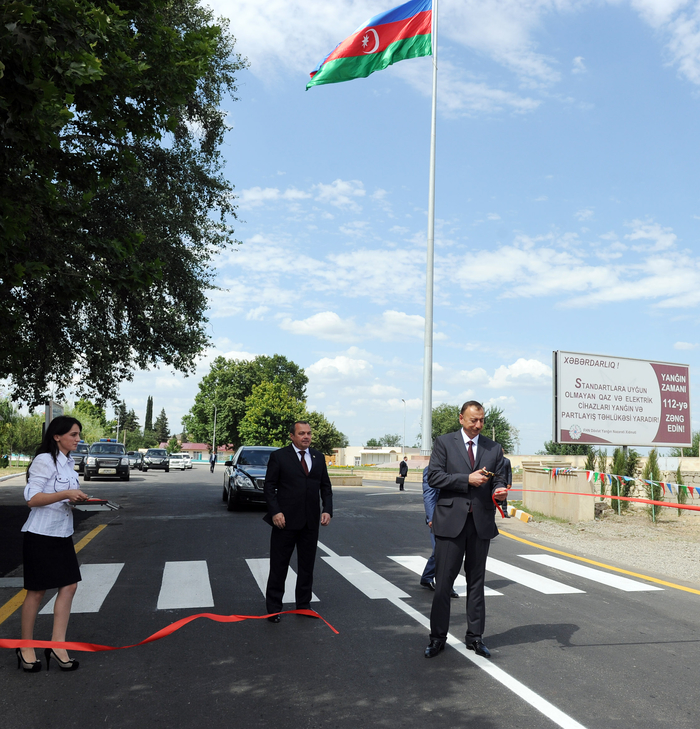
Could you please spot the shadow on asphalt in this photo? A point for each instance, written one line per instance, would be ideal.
(522, 634)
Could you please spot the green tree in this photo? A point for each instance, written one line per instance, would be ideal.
(692, 452)
(681, 492)
(590, 460)
(28, 433)
(131, 423)
(173, 445)
(148, 420)
(83, 409)
(270, 411)
(373, 443)
(567, 449)
(445, 419)
(495, 423)
(653, 490)
(113, 203)
(228, 385)
(8, 418)
(324, 435)
(161, 429)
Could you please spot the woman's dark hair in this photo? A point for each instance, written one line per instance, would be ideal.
(58, 426)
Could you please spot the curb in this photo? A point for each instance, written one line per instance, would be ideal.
(519, 514)
(12, 475)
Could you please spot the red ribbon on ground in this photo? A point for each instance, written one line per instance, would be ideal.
(168, 630)
(669, 504)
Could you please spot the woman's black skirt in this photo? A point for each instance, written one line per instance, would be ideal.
(49, 562)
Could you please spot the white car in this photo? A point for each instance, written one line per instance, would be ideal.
(180, 460)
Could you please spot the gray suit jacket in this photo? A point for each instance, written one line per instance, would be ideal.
(449, 471)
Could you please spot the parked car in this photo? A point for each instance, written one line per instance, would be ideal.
(244, 477)
(135, 459)
(79, 456)
(178, 460)
(156, 458)
(186, 457)
(107, 458)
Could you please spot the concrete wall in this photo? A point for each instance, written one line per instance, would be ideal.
(563, 506)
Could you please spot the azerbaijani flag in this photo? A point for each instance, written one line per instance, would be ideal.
(404, 32)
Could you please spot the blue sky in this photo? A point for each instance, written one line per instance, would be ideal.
(567, 206)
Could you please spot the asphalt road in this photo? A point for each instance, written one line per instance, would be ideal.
(570, 652)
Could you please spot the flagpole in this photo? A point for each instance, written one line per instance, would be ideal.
(427, 417)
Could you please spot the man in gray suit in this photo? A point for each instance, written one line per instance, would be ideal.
(468, 470)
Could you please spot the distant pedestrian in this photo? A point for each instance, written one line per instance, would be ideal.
(48, 553)
(212, 461)
(403, 472)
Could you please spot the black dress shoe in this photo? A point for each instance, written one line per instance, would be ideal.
(479, 648)
(434, 648)
(275, 618)
(454, 594)
(428, 585)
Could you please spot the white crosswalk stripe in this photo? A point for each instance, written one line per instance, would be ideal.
(261, 570)
(97, 581)
(589, 573)
(185, 585)
(417, 565)
(529, 579)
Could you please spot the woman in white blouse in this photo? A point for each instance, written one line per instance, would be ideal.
(48, 552)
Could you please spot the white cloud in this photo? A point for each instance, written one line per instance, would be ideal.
(578, 66)
(324, 325)
(522, 373)
(339, 367)
(685, 345)
(585, 214)
(341, 193)
(255, 197)
(662, 238)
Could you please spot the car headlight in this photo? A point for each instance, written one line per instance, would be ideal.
(243, 482)
(125, 461)
(91, 461)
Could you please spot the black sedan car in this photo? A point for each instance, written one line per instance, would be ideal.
(156, 458)
(244, 477)
(107, 458)
(79, 456)
(135, 459)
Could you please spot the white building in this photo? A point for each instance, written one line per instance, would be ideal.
(370, 456)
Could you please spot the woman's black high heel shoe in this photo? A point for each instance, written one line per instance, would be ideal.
(28, 667)
(70, 665)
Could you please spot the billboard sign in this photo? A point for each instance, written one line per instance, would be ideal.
(620, 401)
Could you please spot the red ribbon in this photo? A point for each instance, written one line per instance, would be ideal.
(496, 504)
(94, 648)
(669, 504)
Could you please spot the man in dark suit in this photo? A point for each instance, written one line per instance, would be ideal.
(467, 468)
(295, 480)
(508, 475)
(403, 472)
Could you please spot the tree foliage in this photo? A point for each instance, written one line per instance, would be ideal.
(390, 440)
(148, 420)
(228, 385)
(324, 435)
(653, 490)
(497, 427)
(692, 452)
(567, 449)
(270, 411)
(160, 427)
(112, 198)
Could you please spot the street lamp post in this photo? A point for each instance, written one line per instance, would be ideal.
(404, 426)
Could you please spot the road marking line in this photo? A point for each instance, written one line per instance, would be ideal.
(185, 585)
(529, 579)
(364, 579)
(98, 580)
(600, 564)
(605, 578)
(361, 573)
(417, 565)
(261, 571)
(16, 602)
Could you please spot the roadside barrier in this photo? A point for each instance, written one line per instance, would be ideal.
(168, 630)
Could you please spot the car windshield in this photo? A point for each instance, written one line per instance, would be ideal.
(254, 458)
(82, 448)
(157, 453)
(175, 456)
(114, 448)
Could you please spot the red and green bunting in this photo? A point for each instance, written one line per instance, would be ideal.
(401, 33)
